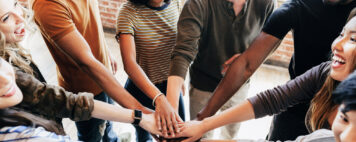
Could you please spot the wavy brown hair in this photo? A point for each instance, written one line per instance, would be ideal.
(321, 106)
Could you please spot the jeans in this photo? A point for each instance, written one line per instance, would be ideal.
(97, 130)
(141, 134)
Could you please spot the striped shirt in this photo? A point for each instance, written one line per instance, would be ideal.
(30, 134)
(155, 33)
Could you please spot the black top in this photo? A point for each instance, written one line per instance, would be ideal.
(314, 26)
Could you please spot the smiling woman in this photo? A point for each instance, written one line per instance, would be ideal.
(12, 21)
(10, 94)
(322, 110)
(12, 26)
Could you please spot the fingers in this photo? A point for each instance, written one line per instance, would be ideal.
(178, 119)
(164, 126)
(182, 129)
(232, 59)
(158, 120)
(170, 124)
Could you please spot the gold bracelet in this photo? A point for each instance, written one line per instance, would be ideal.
(154, 99)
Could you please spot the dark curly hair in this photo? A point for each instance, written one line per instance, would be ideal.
(139, 2)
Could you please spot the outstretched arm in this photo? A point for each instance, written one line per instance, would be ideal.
(76, 47)
(239, 72)
(195, 129)
(58, 26)
(166, 116)
(53, 101)
(110, 112)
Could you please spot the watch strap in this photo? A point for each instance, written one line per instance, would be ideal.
(137, 117)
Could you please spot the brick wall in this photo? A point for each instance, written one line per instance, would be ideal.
(109, 11)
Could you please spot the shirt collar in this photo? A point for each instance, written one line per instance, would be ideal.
(230, 10)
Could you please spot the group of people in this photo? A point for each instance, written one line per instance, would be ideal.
(222, 42)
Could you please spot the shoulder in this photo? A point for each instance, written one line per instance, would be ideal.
(324, 67)
(129, 9)
(48, 4)
(319, 72)
(132, 7)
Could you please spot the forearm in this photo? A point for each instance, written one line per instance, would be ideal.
(240, 71)
(110, 112)
(109, 84)
(239, 113)
(74, 45)
(173, 90)
(139, 77)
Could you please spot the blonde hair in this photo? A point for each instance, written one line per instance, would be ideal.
(14, 53)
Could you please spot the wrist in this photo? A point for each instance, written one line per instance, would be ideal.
(205, 125)
(143, 120)
(137, 117)
(157, 98)
(208, 110)
(160, 99)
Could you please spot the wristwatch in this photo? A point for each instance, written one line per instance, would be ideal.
(137, 115)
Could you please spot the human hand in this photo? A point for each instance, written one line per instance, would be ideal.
(167, 118)
(171, 139)
(227, 63)
(148, 123)
(192, 131)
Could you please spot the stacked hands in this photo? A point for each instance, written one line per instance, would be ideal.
(166, 125)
